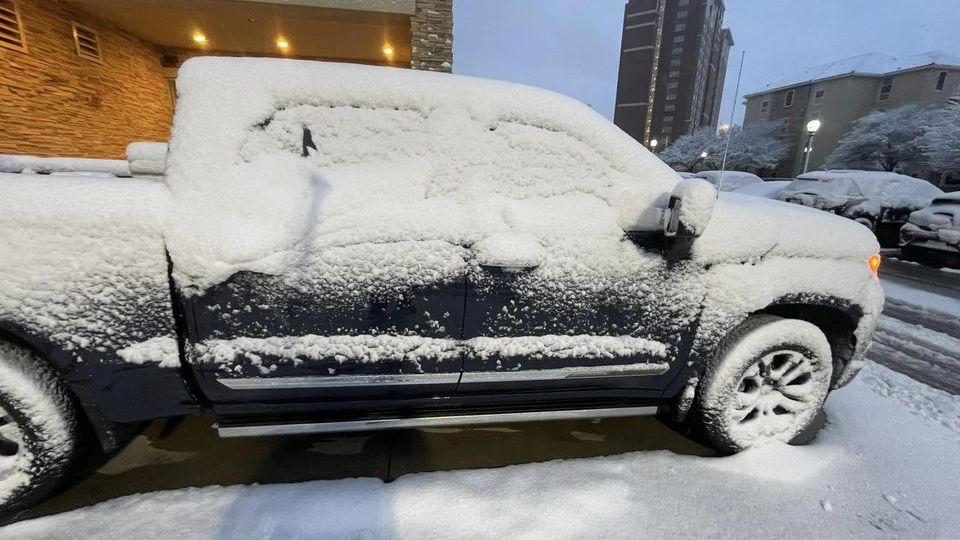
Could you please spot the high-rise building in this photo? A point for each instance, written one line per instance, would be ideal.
(673, 60)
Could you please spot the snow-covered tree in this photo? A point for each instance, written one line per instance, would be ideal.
(942, 141)
(755, 148)
(884, 140)
(687, 151)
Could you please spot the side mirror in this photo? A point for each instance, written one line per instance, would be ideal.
(691, 206)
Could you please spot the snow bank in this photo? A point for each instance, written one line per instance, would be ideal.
(26, 164)
(146, 151)
(450, 150)
(865, 476)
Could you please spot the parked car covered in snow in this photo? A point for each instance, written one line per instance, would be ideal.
(768, 189)
(339, 247)
(729, 180)
(881, 201)
(933, 233)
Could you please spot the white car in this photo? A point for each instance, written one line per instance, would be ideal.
(933, 234)
(767, 189)
(729, 180)
(879, 200)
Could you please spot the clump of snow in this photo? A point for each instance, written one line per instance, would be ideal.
(147, 151)
(10, 163)
(161, 349)
(444, 148)
(510, 250)
(698, 200)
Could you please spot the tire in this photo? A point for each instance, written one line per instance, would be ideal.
(38, 429)
(766, 384)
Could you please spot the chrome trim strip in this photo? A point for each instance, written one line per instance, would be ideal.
(429, 421)
(591, 372)
(335, 381)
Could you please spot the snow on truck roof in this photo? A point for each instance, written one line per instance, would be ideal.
(429, 144)
(732, 180)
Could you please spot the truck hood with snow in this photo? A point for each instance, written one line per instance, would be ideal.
(744, 228)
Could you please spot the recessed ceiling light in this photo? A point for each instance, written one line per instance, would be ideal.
(199, 37)
(282, 43)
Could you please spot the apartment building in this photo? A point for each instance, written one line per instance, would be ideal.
(673, 59)
(86, 77)
(842, 92)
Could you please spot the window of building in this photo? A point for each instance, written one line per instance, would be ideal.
(678, 39)
(667, 119)
(681, 3)
(682, 14)
(677, 50)
(788, 98)
(818, 96)
(11, 27)
(675, 62)
(941, 80)
(680, 27)
(86, 42)
(671, 86)
(885, 89)
(671, 97)
(666, 129)
(674, 74)
(765, 105)
(669, 107)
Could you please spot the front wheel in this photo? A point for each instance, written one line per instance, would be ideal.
(38, 428)
(767, 383)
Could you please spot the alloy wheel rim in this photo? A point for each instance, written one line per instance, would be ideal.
(11, 439)
(774, 393)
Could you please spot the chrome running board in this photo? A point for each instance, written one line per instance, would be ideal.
(256, 430)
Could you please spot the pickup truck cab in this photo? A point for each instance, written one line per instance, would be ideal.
(337, 247)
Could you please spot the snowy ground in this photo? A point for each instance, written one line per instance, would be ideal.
(886, 465)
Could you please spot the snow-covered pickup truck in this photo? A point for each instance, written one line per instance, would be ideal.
(340, 247)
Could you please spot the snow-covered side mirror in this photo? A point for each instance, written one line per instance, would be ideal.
(691, 206)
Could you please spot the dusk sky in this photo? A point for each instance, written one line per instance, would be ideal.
(572, 46)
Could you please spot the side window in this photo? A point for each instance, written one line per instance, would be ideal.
(941, 80)
(765, 105)
(885, 88)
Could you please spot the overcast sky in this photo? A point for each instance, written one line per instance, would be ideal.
(572, 46)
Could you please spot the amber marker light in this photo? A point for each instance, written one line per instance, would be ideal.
(199, 37)
(282, 43)
(388, 51)
(874, 264)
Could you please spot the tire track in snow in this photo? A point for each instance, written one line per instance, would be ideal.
(919, 343)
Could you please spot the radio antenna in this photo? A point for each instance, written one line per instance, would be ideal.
(726, 148)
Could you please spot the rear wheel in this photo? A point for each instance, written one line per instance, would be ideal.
(38, 428)
(767, 383)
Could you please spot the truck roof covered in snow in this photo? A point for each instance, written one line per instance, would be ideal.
(269, 146)
(886, 189)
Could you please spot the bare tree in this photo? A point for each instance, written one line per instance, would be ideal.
(702, 147)
(941, 143)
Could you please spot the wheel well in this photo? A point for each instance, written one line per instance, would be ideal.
(837, 324)
(94, 424)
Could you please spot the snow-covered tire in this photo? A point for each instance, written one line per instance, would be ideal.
(38, 429)
(767, 383)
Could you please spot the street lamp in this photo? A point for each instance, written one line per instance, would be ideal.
(704, 154)
(812, 127)
(653, 145)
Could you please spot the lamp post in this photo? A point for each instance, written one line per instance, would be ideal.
(812, 127)
(653, 145)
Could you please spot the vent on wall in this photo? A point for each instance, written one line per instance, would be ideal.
(88, 45)
(11, 27)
